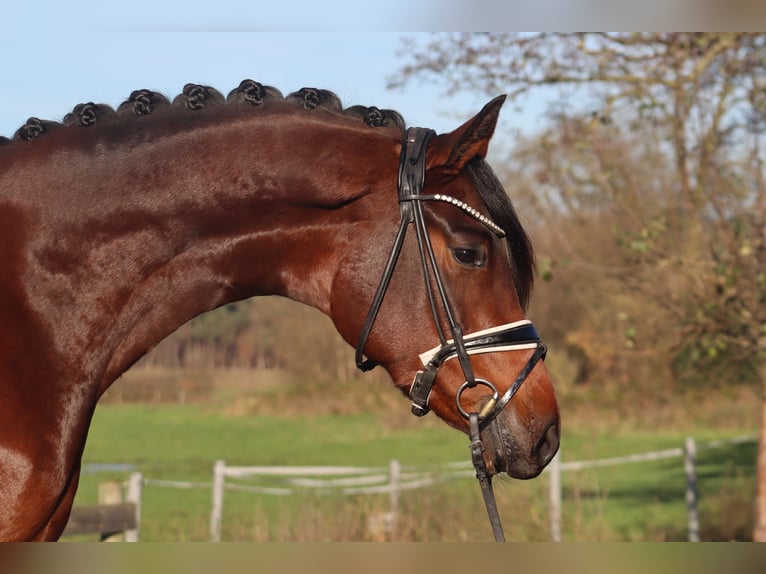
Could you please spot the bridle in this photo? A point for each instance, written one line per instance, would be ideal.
(520, 335)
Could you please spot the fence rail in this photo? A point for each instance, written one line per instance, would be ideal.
(650, 456)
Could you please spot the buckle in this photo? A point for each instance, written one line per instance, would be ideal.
(420, 391)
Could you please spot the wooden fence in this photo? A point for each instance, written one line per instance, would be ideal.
(124, 517)
(347, 480)
(114, 519)
(393, 480)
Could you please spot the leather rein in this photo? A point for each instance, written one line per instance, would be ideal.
(520, 335)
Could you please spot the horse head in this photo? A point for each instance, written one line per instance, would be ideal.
(457, 342)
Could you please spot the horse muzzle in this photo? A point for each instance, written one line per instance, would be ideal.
(519, 437)
(520, 451)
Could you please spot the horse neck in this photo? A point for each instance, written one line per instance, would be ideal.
(140, 239)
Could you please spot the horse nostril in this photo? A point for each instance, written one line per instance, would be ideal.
(547, 444)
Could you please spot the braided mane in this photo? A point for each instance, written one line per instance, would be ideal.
(197, 97)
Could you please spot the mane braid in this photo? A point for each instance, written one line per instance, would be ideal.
(501, 211)
(196, 98)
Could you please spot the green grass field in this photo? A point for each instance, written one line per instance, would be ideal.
(643, 501)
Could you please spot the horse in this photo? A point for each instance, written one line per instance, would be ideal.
(119, 225)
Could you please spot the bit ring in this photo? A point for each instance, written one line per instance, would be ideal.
(487, 408)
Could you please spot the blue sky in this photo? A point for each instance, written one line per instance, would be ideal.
(53, 58)
(48, 79)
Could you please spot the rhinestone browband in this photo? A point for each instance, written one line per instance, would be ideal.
(475, 213)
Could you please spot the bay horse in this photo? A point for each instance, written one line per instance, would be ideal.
(119, 225)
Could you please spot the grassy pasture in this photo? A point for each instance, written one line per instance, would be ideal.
(643, 501)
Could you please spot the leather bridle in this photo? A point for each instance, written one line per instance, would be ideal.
(520, 335)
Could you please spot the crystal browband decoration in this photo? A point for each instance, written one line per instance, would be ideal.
(480, 217)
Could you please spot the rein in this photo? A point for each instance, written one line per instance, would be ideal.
(520, 335)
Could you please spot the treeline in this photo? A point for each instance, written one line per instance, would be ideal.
(231, 337)
(263, 333)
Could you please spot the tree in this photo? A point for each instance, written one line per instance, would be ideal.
(701, 99)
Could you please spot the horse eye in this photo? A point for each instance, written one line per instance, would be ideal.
(470, 256)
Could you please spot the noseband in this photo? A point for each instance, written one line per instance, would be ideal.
(520, 335)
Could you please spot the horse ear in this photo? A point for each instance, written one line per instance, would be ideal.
(451, 151)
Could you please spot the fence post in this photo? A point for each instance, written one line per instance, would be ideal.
(690, 456)
(395, 471)
(555, 497)
(135, 488)
(110, 492)
(216, 513)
